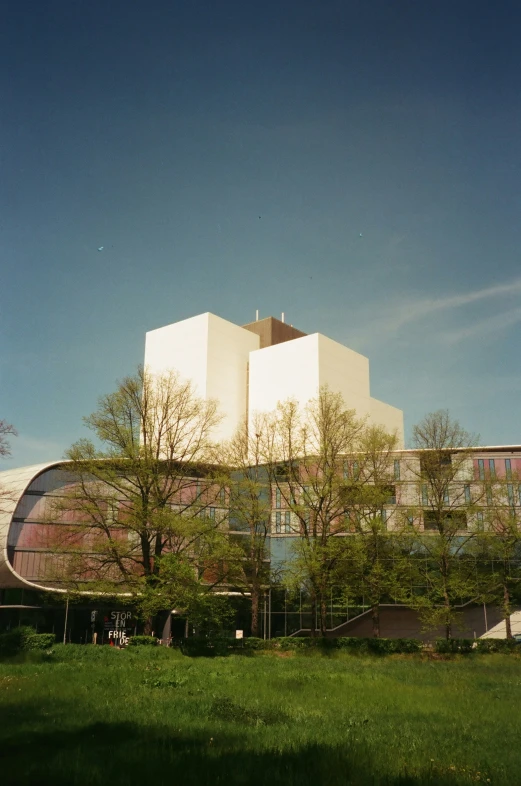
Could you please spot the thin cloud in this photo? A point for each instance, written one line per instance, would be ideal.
(486, 327)
(415, 310)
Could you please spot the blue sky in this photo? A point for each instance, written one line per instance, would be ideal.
(355, 165)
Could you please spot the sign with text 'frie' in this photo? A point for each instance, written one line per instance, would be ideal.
(116, 623)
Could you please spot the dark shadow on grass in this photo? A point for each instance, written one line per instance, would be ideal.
(124, 754)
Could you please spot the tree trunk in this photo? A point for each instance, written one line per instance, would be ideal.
(448, 621)
(375, 615)
(255, 611)
(313, 630)
(323, 615)
(506, 612)
(149, 626)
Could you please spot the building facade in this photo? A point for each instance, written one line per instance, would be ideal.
(29, 506)
(249, 369)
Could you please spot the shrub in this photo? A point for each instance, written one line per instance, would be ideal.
(224, 645)
(407, 645)
(142, 641)
(201, 645)
(39, 641)
(14, 640)
(462, 646)
(253, 643)
(379, 646)
(353, 643)
(497, 645)
(292, 643)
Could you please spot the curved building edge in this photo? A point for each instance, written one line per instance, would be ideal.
(13, 485)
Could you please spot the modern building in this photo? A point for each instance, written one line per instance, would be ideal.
(25, 558)
(250, 369)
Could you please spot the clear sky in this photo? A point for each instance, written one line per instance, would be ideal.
(354, 164)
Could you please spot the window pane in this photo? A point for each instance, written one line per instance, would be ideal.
(425, 496)
(396, 469)
(481, 468)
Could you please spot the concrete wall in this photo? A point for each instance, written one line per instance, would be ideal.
(400, 622)
(181, 347)
(298, 369)
(229, 348)
(213, 353)
(284, 371)
(389, 417)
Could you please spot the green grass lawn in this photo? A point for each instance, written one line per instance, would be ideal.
(94, 715)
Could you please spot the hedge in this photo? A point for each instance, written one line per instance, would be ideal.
(23, 639)
(142, 641)
(223, 645)
(498, 645)
(462, 646)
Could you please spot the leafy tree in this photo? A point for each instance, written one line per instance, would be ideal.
(499, 547)
(372, 562)
(250, 510)
(304, 451)
(444, 498)
(141, 514)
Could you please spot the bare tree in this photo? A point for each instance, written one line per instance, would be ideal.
(6, 430)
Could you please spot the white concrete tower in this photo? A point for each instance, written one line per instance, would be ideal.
(213, 353)
(250, 369)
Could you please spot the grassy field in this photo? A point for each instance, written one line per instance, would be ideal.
(95, 715)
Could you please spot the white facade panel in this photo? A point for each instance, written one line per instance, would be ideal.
(389, 417)
(229, 348)
(213, 353)
(344, 371)
(181, 347)
(284, 371)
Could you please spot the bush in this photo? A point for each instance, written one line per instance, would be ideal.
(142, 641)
(379, 646)
(201, 645)
(225, 645)
(497, 645)
(252, 643)
(14, 640)
(39, 641)
(462, 646)
(24, 638)
(353, 643)
(407, 645)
